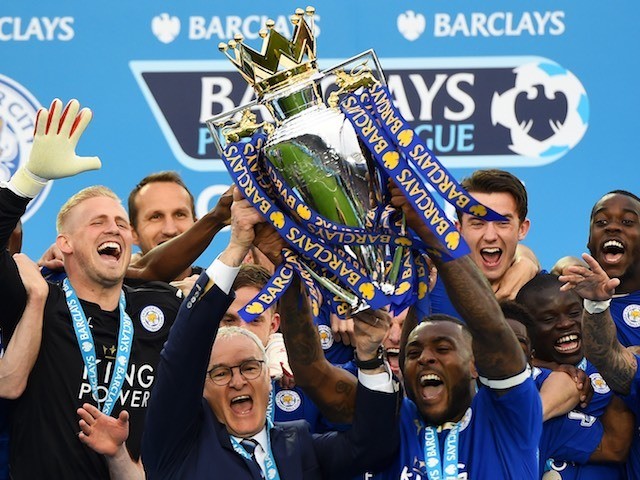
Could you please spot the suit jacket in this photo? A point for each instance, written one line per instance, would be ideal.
(184, 440)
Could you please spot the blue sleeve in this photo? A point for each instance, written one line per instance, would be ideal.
(633, 399)
(175, 407)
(570, 438)
(440, 302)
(516, 414)
(540, 375)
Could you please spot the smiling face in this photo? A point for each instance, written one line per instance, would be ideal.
(96, 241)
(614, 238)
(438, 371)
(163, 211)
(557, 328)
(493, 244)
(242, 404)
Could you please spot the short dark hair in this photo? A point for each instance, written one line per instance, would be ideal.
(626, 193)
(166, 176)
(251, 275)
(524, 297)
(516, 311)
(494, 181)
(443, 317)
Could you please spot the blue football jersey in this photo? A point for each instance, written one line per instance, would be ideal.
(440, 302)
(625, 310)
(601, 391)
(498, 438)
(566, 445)
(336, 352)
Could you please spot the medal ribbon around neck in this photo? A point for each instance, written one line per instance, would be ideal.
(269, 463)
(88, 349)
(436, 470)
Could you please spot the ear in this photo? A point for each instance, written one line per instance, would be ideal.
(136, 240)
(524, 229)
(62, 242)
(458, 225)
(472, 368)
(275, 323)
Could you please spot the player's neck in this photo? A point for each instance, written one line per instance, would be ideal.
(106, 297)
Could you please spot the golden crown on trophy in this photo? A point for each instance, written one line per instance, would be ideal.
(280, 59)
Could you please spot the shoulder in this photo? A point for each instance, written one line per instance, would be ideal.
(292, 426)
(160, 292)
(153, 305)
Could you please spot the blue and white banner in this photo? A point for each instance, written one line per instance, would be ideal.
(525, 87)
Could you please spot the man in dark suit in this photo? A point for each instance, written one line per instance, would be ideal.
(188, 436)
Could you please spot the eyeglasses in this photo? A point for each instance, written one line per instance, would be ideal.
(249, 369)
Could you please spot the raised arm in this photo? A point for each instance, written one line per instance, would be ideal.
(331, 388)
(168, 260)
(52, 156)
(614, 362)
(22, 351)
(497, 352)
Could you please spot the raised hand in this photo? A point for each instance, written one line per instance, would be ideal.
(591, 283)
(222, 210)
(53, 154)
(370, 328)
(52, 259)
(102, 433)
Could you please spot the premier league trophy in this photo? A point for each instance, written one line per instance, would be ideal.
(318, 170)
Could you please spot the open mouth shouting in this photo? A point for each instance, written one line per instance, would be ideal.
(241, 405)
(110, 251)
(432, 387)
(491, 256)
(612, 251)
(393, 355)
(568, 344)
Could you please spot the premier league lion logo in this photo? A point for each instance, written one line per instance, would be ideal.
(546, 112)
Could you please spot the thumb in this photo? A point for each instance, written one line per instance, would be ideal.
(84, 164)
(123, 417)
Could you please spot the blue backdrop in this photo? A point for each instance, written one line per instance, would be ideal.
(545, 89)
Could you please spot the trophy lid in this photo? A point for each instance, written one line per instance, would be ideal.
(281, 61)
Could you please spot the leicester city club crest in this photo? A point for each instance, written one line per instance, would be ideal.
(18, 109)
(152, 318)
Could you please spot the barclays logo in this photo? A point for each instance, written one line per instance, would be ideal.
(472, 112)
(412, 25)
(43, 29)
(165, 27)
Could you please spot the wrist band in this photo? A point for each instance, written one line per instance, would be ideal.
(598, 306)
(372, 364)
(507, 382)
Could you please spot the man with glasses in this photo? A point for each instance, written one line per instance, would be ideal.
(229, 433)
